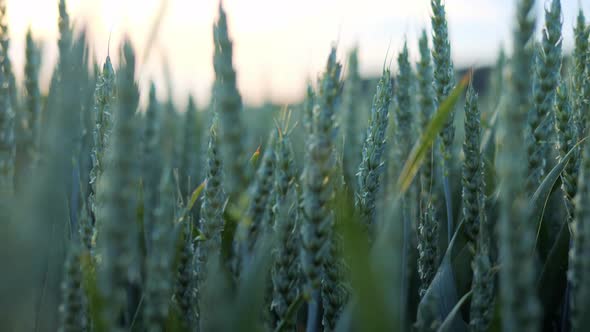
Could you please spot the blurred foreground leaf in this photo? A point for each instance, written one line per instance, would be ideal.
(375, 273)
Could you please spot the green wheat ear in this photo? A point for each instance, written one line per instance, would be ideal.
(581, 83)
(318, 191)
(228, 103)
(521, 309)
(474, 217)
(444, 80)
(65, 38)
(185, 281)
(191, 149)
(443, 72)
(426, 105)
(404, 119)
(428, 233)
(567, 137)
(211, 220)
(286, 270)
(259, 209)
(482, 303)
(151, 163)
(472, 175)
(119, 250)
(158, 286)
(104, 105)
(74, 306)
(307, 114)
(351, 104)
(372, 163)
(541, 117)
(579, 269)
(32, 103)
(213, 202)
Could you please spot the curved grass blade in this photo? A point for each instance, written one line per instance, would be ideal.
(449, 206)
(539, 200)
(421, 147)
(291, 311)
(447, 324)
(194, 196)
(553, 278)
(449, 282)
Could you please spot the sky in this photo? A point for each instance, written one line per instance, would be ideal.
(278, 45)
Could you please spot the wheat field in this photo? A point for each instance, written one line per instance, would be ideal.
(430, 198)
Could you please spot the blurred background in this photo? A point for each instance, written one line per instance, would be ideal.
(278, 45)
